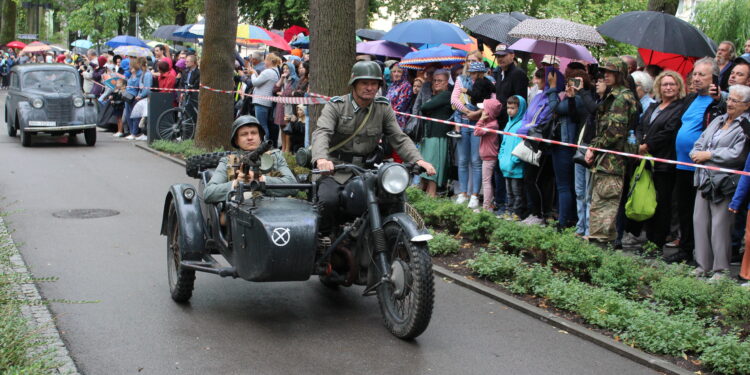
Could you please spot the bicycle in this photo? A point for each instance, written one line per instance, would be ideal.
(177, 123)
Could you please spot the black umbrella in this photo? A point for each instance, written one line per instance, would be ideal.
(659, 32)
(370, 34)
(165, 32)
(492, 29)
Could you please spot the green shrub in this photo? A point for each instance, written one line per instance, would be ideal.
(450, 216)
(680, 293)
(511, 237)
(479, 226)
(443, 244)
(531, 280)
(727, 354)
(659, 332)
(620, 273)
(495, 266)
(576, 256)
(414, 195)
(734, 302)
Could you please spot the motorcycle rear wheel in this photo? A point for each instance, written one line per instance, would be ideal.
(181, 280)
(406, 304)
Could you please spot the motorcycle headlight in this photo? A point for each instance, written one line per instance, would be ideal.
(78, 101)
(37, 103)
(394, 178)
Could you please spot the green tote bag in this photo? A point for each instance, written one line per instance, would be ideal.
(641, 203)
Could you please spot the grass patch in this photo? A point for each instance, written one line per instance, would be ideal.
(185, 149)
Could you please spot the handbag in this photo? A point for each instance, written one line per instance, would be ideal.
(414, 128)
(580, 155)
(641, 203)
(128, 96)
(525, 153)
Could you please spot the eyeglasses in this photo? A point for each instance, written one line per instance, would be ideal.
(735, 101)
(439, 80)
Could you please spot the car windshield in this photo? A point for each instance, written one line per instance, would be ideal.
(49, 79)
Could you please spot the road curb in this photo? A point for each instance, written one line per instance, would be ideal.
(603, 341)
(37, 312)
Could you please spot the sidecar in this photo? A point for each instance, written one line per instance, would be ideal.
(261, 238)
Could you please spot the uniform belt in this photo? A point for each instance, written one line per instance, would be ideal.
(349, 158)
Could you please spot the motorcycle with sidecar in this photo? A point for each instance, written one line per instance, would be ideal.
(379, 242)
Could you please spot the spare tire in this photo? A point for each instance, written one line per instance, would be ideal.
(195, 164)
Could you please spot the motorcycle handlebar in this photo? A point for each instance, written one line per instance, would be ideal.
(413, 168)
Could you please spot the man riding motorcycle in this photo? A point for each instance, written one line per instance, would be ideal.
(247, 135)
(349, 130)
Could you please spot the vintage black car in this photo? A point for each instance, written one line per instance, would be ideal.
(47, 98)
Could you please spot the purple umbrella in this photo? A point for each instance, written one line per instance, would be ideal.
(383, 48)
(544, 47)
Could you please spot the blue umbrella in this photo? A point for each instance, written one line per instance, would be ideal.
(303, 42)
(82, 43)
(191, 31)
(126, 40)
(427, 31)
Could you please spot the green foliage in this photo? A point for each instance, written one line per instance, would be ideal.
(680, 293)
(185, 149)
(576, 256)
(495, 266)
(450, 215)
(443, 244)
(478, 227)
(620, 273)
(724, 20)
(662, 333)
(734, 302)
(727, 354)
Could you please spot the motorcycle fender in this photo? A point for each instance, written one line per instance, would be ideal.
(190, 220)
(410, 227)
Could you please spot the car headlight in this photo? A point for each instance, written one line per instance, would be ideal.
(78, 101)
(37, 103)
(188, 193)
(394, 178)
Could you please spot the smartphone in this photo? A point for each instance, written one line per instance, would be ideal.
(575, 82)
(716, 81)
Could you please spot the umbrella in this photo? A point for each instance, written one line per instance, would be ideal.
(369, 34)
(82, 43)
(249, 34)
(125, 40)
(659, 32)
(494, 27)
(190, 31)
(166, 32)
(57, 48)
(427, 31)
(487, 54)
(35, 47)
(303, 42)
(679, 63)
(294, 30)
(136, 51)
(442, 54)
(558, 30)
(16, 44)
(544, 47)
(292, 57)
(383, 48)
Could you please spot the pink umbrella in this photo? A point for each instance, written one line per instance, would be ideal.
(35, 47)
(383, 48)
(543, 47)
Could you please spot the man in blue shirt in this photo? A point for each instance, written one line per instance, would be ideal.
(696, 116)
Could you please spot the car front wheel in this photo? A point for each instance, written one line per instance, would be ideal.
(25, 138)
(90, 135)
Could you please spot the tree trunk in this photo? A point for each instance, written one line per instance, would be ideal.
(666, 6)
(181, 9)
(362, 14)
(331, 37)
(215, 110)
(2, 4)
(8, 31)
(133, 10)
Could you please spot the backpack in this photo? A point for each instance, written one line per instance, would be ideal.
(641, 203)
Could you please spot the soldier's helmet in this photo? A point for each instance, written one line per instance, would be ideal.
(366, 70)
(614, 64)
(246, 120)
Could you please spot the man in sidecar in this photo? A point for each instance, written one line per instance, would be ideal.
(247, 135)
(349, 131)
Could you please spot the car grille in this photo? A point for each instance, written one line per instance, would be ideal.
(59, 110)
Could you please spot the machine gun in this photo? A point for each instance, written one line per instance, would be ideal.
(257, 160)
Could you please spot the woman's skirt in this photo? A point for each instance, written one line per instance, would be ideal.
(435, 151)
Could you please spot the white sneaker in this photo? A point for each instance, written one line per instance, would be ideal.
(454, 134)
(474, 202)
(117, 135)
(717, 276)
(461, 199)
(142, 137)
(130, 137)
(533, 220)
(745, 284)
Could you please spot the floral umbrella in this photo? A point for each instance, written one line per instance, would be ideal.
(132, 51)
(35, 47)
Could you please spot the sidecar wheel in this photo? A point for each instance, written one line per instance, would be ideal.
(328, 283)
(180, 280)
(406, 303)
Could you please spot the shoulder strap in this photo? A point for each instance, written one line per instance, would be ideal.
(359, 129)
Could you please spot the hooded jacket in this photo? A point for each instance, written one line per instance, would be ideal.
(488, 145)
(539, 109)
(167, 80)
(510, 165)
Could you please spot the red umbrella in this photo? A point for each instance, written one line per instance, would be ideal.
(678, 63)
(276, 41)
(294, 30)
(16, 44)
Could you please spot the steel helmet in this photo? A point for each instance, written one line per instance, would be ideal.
(246, 120)
(366, 70)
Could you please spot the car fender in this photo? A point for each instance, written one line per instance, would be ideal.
(413, 231)
(189, 218)
(23, 114)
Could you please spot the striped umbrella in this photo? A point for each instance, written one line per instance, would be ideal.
(442, 54)
(250, 34)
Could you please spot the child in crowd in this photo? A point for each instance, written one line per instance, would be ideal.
(488, 147)
(295, 128)
(510, 165)
(118, 104)
(481, 89)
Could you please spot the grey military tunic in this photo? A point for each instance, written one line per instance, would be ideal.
(340, 119)
(220, 185)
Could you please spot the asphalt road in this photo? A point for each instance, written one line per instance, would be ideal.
(231, 326)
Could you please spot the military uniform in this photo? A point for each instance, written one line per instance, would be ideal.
(226, 172)
(608, 172)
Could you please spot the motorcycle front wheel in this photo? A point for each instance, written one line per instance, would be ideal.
(406, 302)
